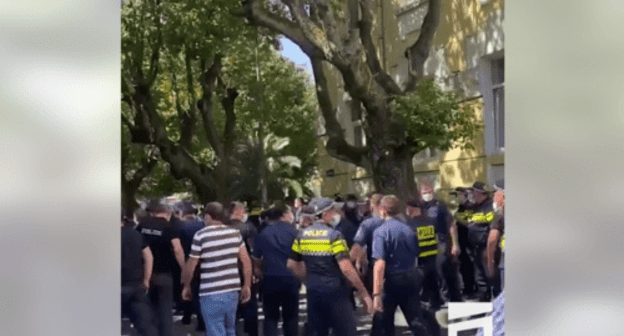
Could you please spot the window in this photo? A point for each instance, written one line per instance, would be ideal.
(498, 94)
(492, 87)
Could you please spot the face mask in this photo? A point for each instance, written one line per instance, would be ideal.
(335, 220)
(495, 207)
(244, 219)
(350, 205)
(427, 197)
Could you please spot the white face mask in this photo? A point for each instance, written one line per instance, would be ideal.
(244, 219)
(427, 197)
(350, 204)
(495, 207)
(335, 220)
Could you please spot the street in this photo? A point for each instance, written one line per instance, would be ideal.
(364, 323)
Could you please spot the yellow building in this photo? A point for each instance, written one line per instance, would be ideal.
(467, 56)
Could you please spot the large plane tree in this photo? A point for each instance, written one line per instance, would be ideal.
(401, 119)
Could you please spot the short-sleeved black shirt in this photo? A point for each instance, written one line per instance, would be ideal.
(159, 233)
(132, 245)
(247, 230)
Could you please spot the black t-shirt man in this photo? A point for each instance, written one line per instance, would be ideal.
(132, 245)
(159, 233)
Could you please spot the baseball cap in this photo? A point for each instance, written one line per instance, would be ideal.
(307, 211)
(323, 204)
(413, 202)
(479, 186)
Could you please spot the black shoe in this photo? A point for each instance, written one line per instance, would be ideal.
(186, 320)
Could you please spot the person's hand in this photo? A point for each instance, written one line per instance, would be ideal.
(186, 293)
(377, 305)
(245, 294)
(490, 271)
(367, 302)
(455, 250)
(146, 285)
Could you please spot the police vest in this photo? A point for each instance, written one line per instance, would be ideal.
(427, 243)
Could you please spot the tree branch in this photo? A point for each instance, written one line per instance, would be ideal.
(208, 81)
(419, 51)
(336, 145)
(227, 100)
(256, 15)
(366, 29)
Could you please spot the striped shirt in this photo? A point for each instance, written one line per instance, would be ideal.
(217, 248)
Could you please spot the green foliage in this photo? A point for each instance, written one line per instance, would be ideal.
(436, 119)
(186, 36)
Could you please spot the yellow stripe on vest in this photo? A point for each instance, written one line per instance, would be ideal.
(482, 217)
(427, 243)
(339, 246)
(428, 253)
(502, 242)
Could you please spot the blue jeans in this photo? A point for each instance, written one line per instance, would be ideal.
(219, 311)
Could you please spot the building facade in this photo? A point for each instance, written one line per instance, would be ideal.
(467, 57)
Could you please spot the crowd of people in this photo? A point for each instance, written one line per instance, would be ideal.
(219, 262)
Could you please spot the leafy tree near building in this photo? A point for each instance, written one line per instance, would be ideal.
(190, 90)
(401, 119)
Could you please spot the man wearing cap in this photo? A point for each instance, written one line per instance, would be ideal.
(396, 278)
(280, 288)
(425, 229)
(351, 211)
(306, 217)
(495, 243)
(448, 244)
(164, 241)
(478, 224)
(463, 212)
(320, 258)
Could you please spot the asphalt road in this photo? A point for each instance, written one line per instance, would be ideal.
(364, 323)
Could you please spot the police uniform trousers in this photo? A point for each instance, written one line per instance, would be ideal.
(448, 274)
(402, 290)
(331, 309)
(482, 282)
(161, 295)
(430, 289)
(376, 329)
(280, 292)
(466, 268)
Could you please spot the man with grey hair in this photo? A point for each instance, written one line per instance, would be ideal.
(320, 258)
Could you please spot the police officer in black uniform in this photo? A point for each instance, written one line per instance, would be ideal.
(425, 229)
(462, 214)
(320, 258)
(478, 224)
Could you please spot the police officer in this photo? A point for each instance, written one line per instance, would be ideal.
(279, 287)
(320, 258)
(448, 244)
(425, 229)
(495, 243)
(462, 214)
(396, 279)
(478, 224)
(363, 248)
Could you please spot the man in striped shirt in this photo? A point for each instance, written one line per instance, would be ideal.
(219, 248)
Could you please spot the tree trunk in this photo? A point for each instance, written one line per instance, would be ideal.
(392, 169)
(262, 163)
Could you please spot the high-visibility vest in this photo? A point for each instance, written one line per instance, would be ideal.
(427, 242)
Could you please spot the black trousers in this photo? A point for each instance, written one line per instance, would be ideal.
(331, 309)
(161, 295)
(249, 313)
(449, 276)
(466, 268)
(484, 289)
(402, 290)
(135, 302)
(430, 289)
(280, 292)
(193, 306)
